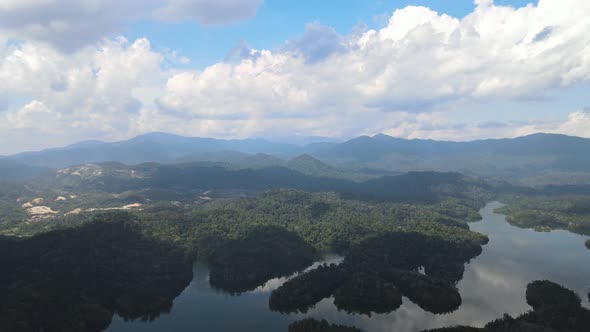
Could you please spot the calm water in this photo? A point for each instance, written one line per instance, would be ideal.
(494, 283)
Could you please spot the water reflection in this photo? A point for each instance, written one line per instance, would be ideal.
(493, 284)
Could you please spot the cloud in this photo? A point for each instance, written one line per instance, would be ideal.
(492, 124)
(317, 43)
(209, 12)
(543, 34)
(421, 61)
(72, 24)
(577, 124)
(96, 92)
(401, 79)
(438, 126)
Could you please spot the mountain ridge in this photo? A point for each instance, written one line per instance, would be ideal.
(536, 154)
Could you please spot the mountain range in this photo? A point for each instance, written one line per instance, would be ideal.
(534, 156)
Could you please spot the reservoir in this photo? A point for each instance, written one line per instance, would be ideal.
(494, 283)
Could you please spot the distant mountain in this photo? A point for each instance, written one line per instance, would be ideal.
(510, 157)
(309, 165)
(11, 171)
(367, 148)
(154, 147)
(190, 178)
(535, 159)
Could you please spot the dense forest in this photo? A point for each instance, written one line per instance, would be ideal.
(313, 325)
(63, 198)
(377, 272)
(263, 253)
(546, 213)
(555, 308)
(75, 279)
(135, 262)
(94, 240)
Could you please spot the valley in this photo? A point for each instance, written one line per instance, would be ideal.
(404, 237)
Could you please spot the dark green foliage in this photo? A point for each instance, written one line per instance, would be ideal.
(588, 243)
(365, 292)
(419, 187)
(136, 264)
(327, 222)
(313, 325)
(303, 292)
(262, 254)
(547, 213)
(431, 294)
(377, 272)
(555, 308)
(75, 279)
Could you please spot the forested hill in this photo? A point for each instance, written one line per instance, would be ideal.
(113, 177)
(549, 156)
(11, 171)
(367, 148)
(155, 147)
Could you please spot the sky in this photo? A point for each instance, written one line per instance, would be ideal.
(75, 70)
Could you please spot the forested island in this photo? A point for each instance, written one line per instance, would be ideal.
(134, 263)
(92, 241)
(555, 308)
(376, 273)
(76, 279)
(546, 213)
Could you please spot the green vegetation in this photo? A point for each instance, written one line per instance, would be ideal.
(323, 220)
(75, 279)
(264, 253)
(134, 263)
(304, 291)
(588, 243)
(69, 193)
(376, 273)
(555, 308)
(313, 325)
(547, 213)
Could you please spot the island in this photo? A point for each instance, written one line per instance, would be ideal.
(555, 308)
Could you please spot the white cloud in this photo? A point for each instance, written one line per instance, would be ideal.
(421, 61)
(400, 79)
(576, 124)
(34, 115)
(71, 24)
(208, 11)
(97, 92)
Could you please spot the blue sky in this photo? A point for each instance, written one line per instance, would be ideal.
(74, 70)
(284, 20)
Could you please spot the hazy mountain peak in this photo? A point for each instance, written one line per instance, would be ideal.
(157, 136)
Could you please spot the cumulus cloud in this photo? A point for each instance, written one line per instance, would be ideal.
(577, 124)
(208, 11)
(400, 79)
(421, 61)
(71, 24)
(96, 92)
(317, 43)
(438, 126)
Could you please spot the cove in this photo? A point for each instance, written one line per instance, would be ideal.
(494, 283)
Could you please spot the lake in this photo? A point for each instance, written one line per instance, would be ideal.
(494, 283)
